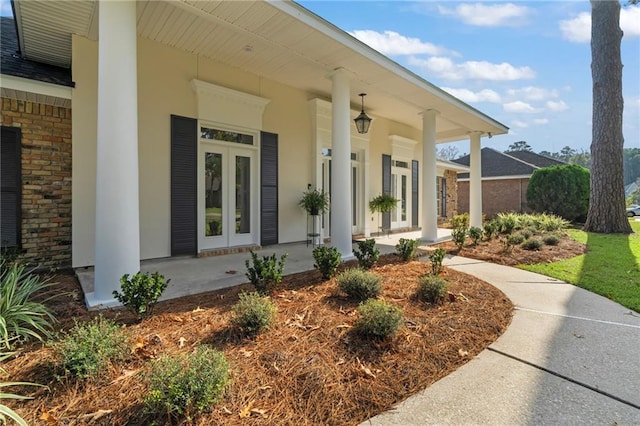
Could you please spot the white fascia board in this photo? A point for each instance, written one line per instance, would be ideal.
(498, 178)
(327, 28)
(34, 86)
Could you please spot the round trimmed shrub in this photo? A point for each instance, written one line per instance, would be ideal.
(532, 244)
(187, 384)
(562, 190)
(253, 312)
(378, 319)
(551, 240)
(359, 284)
(432, 289)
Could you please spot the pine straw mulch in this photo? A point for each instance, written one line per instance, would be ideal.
(309, 368)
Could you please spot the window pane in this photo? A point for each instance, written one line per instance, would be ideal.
(213, 194)
(226, 136)
(354, 204)
(403, 199)
(243, 195)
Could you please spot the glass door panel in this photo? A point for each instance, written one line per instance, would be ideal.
(243, 195)
(213, 187)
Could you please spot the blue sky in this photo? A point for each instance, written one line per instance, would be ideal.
(527, 64)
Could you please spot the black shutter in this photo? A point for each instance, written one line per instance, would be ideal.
(10, 188)
(184, 170)
(268, 188)
(414, 193)
(386, 187)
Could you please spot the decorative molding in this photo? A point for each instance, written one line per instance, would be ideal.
(402, 147)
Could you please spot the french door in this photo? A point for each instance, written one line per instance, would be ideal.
(227, 197)
(400, 190)
(355, 182)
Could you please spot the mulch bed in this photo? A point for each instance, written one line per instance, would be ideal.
(309, 368)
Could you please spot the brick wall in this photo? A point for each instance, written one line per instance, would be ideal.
(452, 193)
(504, 195)
(46, 179)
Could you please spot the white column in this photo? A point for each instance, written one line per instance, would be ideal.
(475, 180)
(117, 218)
(429, 173)
(341, 163)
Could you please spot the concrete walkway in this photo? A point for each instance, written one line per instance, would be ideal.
(569, 357)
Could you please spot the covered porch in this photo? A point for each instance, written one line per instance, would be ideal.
(194, 275)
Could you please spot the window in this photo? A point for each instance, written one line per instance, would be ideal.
(226, 136)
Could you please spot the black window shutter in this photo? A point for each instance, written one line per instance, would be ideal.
(414, 193)
(184, 170)
(386, 187)
(11, 188)
(268, 189)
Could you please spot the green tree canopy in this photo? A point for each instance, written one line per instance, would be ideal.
(561, 190)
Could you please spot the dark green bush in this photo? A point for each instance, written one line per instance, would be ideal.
(526, 233)
(490, 228)
(406, 248)
(265, 272)
(459, 236)
(515, 239)
(532, 244)
(436, 257)
(185, 385)
(378, 319)
(562, 190)
(253, 312)
(366, 253)
(327, 260)
(506, 223)
(475, 234)
(432, 289)
(551, 240)
(87, 350)
(359, 284)
(141, 292)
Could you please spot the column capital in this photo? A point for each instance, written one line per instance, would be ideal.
(429, 111)
(340, 72)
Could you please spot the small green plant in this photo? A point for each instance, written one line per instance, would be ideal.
(551, 240)
(460, 227)
(87, 350)
(459, 236)
(515, 239)
(383, 203)
(314, 202)
(366, 253)
(532, 244)
(406, 248)
(490, 228)
(141, 292)
(475, 234)
(327, 260)
(506, 223)
(526, 233)
(432, 289)
(253, 313)
(21, 317)
(185, 385)
(436, 257)
(378, 319)
(359, 284)
(460, 221)
(265, 272)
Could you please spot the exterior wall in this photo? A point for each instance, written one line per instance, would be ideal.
(452, 193)
(501, 195)
(46, 179)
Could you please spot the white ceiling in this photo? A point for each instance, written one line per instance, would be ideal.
(278, 40)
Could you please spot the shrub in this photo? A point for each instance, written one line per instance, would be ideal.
(515, 239)
(532, 244)
(88, 349)
(141, 292)
(378, 319)
(253, 312)
(526, 233)
(20, 317)
(187, 384)
(551, 240)
(406, 248)
(367, 254)
(490, 228)
(562, 190)
(460, 221)
(436, 257)
(327, 260)
(432, 289)
(506, 223)
(359, 284)
(459, 236)
(475, 234)
(265, 272)
(550, 223)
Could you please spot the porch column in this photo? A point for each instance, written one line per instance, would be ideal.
(341, 163)
(117, 238)
(429, 194)
(475, 181)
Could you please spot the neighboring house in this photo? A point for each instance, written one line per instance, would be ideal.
(198, 125)
(629, 189)
(505, 177)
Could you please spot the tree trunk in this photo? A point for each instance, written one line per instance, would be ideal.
(606, 200)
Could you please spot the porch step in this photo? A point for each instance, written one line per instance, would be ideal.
(228, 250)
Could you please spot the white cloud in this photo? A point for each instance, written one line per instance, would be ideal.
(466, 95)
(541, 120)
(478, 70)
(489, 15)
(392, 43)
(519, 107)
(578, 29)
(518, 123)
(532, 93)
(556, 106)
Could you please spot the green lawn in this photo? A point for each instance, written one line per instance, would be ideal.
(611, 267)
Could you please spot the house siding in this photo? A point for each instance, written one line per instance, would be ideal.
(500, 195)
(46, 180)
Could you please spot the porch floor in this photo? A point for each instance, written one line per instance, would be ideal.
(193, 275)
